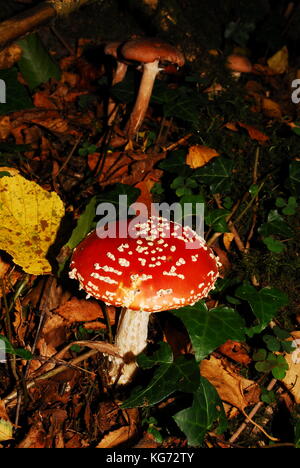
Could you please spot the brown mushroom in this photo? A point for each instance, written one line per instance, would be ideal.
(112, 49)
(149, 52)
(238, 64)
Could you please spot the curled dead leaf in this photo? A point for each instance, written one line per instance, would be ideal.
(199, 155)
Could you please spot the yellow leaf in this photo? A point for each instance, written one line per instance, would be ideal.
(6, 430)
(279, 62)
(271, 109)
(199, 155)
(30, 218)
(227, 239)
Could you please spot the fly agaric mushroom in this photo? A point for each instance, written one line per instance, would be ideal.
(112, 49)
(149, 52)
(159, 266)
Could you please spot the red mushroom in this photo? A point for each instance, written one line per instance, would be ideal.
(160, 265)
(149, 52)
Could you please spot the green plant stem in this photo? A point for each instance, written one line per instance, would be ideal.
(249, 204)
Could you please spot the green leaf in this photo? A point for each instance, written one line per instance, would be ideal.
(273, 245)
(36, 64)
(163, 355)
(294, 173)
(8, 347)
(85, 224)
(182, 375)
(297, 433)
(175, 163)
(207, 408)
(279, 371)
(260, 355)
(280, 202)
(113, 196)
(280, 333)
(290, 208)
(125, 91)
(264, 304)
(272, 343)
(253, 190)
(267, 396)
(17, 97)
(276, 225)
(217, 174)
(208, 329)
(216, 219)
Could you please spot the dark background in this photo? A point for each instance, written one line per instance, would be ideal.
(262, 26)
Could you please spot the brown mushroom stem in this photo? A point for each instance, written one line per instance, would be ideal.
(131, 340)
(143, 98)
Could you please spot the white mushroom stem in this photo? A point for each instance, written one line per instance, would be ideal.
(131, 340)
(119, 75)
(143, 98)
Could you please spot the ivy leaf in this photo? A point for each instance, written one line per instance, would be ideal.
(163, 355)
(175, 163)
(208, 329)
(216, 219)
(207, 408)
(264, 304)
(276, 225)
(217, 174)
(273, 245)
(17, 98)
(36, 64)
(182, 374)
(294, 173)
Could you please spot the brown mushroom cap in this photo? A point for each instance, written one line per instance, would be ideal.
(239, 63)
(151, 270)
(151, 49)
(112, 48)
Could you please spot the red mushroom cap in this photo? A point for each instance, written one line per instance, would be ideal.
(151, 49)
(151, 269)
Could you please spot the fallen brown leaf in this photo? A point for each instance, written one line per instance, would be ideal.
(235, 351)
(254, 134)
(231, 386)
(80, 310)
(291, 379)
(123, 434)
(271, 109)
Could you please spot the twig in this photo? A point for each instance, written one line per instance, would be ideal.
(62, 40)
(12, 396)
(258, 405)
(177, 143)
(70, 155)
